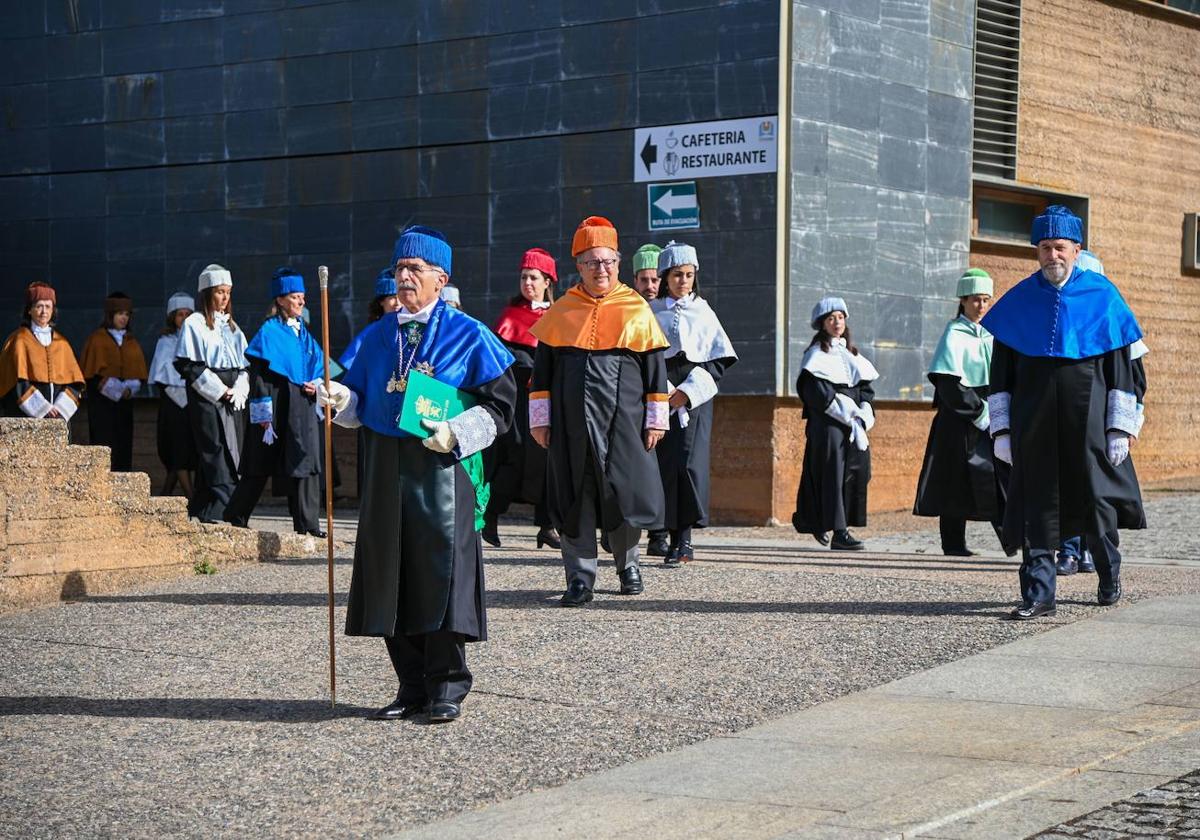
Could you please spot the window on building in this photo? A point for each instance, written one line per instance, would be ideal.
(997, 77)
(1192, 6)
(1003, 212)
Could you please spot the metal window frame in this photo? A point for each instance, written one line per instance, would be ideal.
(997, 88)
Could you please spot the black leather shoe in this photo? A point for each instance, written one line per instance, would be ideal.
(822, 537)
(1107, 599)
(658, 546)
(316, 532)
(1086, 564)
(844, 541)
(958, 552)
(444, 711)
(631, 581)
(1066, 565)
(489, 533)
(549, 537)
(399, 710)
(684, 553)
(577, 595)
(1035, 610)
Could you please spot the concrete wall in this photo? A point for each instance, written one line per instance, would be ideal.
(880, 174)
(145, 139)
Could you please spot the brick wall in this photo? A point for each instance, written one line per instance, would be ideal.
(1116, 117)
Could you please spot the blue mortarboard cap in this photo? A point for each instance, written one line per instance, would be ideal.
(285, 281)
(1057, 222)
(423, 243)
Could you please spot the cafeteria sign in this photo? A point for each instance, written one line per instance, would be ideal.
(705, 150)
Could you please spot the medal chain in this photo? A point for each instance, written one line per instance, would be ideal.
(398, 383)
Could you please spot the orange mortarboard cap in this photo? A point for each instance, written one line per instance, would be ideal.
(593, 232)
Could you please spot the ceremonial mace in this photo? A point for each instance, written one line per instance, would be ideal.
(323, 278)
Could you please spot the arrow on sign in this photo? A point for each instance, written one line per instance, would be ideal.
(668, 202)
(649, 153)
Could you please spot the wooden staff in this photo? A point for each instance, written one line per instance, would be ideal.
(323, 277)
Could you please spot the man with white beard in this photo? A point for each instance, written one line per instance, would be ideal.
(1063, 409)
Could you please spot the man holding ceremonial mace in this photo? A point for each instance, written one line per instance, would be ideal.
(418, 566)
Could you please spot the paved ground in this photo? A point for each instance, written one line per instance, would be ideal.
(200, 707)
(1170, 811)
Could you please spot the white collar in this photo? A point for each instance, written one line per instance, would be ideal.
(539, 304)
(294, 323)
(682, 302)
(837, 342)
(42, 334)
(221, 318)
(421, 316)
(118, 336)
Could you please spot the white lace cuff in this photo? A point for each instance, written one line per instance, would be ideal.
(539, 412)
(66, 404)
(699, 386)
(209, 386)
(474, 429)
(262, 410)
(1122, 413)
(34, 404)
(998, 408)
(658, 414)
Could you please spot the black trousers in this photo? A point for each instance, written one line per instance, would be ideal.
(954, 533)
(430, 666)
(304, 501)
(1038, 575)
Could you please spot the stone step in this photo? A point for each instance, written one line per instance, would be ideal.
(89, 554)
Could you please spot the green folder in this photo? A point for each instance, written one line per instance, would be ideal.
(427, 399)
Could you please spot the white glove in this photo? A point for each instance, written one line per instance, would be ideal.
(337, 396)
(269, 434)
(1002, 449)
(1118, 448)
(241, 391)
(442, 439)
(866, 414)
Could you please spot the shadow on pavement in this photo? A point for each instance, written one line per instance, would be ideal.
(547, 598)
(225, 599)
(180, 708)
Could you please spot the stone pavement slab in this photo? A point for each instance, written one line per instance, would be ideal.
(1000, 744)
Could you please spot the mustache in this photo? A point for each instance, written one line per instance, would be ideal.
(406, 287)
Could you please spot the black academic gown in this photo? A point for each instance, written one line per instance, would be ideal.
(418, 565)
(597, 428)
(833, 482)
(959, 476)
(1062, 484)
(515, 465)
(683, 453)
(176, 448)
(110, 424)
(218, 430)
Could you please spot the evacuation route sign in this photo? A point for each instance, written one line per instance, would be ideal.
(705, 150)
(672, 206)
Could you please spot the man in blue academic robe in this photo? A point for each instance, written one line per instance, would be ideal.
(418, 567)
(1063, 408)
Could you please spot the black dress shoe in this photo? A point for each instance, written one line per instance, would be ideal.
(489, 533)
(844, 541)
(1087, 565)
(399, 710)
(684, 553)
(821, 536)
(1107, 599)
(1035, 610)
(548, 536)
(577, 595)
(631, 581)
(444, 711)
(958, 552)
(1066, 565)
(316, 532)
(658, 545)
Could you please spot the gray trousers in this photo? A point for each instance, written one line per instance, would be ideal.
(581, 555)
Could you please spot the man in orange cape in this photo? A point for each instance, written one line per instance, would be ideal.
(598, 403)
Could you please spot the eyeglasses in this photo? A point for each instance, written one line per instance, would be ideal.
(596, 265)
(412, 269)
